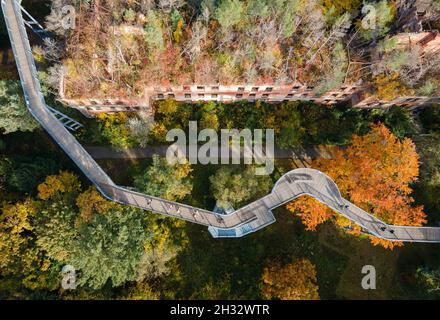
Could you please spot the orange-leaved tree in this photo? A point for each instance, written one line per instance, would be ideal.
(374, 172)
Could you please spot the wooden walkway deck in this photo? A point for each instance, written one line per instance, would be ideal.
(254, 216)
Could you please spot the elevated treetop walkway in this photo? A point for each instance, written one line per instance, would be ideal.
(249, 218)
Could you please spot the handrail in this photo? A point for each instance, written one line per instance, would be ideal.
(256, 214)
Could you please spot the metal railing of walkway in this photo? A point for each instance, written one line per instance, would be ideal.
(249, 218)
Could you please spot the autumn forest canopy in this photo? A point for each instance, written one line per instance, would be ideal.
(385, 161)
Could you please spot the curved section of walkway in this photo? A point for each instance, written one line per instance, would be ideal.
(253, 216)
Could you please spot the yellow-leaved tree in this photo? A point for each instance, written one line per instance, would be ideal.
(294, 281)
(64, 182)
(90, 202)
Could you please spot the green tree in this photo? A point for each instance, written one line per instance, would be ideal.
(399, 120)
(229, 13)
(288, 13)
(129, 15)
(290, 125)
(24, 174)
(109, 248)
(115, 129)
(55, 229)
(178, 24)
(289, 137)
(382, 15)
(161, 179)
(235, 185)
(13, 113)
(153, 31)
(428, 88)
(257, 8)
(336, 77)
